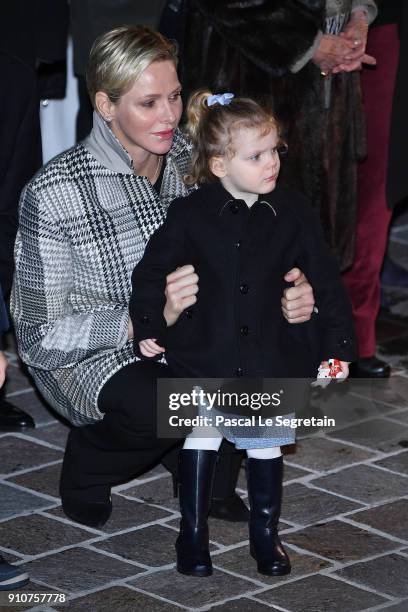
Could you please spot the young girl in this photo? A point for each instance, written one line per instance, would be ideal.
(241, 232)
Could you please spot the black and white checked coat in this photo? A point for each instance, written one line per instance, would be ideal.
(85, 219)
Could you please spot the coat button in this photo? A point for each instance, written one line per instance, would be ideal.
(189, 314)
(145, 320)
(244, 288)
(239, 372)
(237, 244)
(244, 331)
(234, 208)
(343, 342)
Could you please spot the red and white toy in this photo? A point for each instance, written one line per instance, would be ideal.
(329, 373)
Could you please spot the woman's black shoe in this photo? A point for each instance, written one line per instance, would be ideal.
(370, 367)
(92, 514)
(265, 499)
(13, 418)
(196, 470)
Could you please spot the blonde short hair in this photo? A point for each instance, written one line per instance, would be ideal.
(119, 57)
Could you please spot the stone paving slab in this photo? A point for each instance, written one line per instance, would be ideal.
(17, 378)
(30, 589)
(79, 569)
(125, 515)
(32, 403)
(303, 505)
(378, 434)
(323, 454)
(121, 598)
(387, 574)
(398, 607)
(192, 591)
(54, 433)
(321, 594)
(45, 480)
(152, 546)
(364, 483)
(402, 417)
(20, 454)
(390, 518)
(340, 541)
(397, 463)
(393, 390)
(239, 561)
(243, 604)
(159, 491)
(346, 407)
(36, 534)
(14, 501)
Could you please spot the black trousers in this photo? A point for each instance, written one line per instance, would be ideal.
(124, 443)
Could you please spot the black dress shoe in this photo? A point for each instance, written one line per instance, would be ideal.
(12, 418)
(370, 367)
(92, 514)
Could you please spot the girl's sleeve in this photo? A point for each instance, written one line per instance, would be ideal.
(164, 252)
(50, 335)
(334, 317)
(278, 36)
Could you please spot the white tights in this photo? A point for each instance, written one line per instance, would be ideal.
(209, 438)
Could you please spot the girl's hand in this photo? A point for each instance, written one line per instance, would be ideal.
(3, 368)
(181, 291)
(344, 365)
(150, 348)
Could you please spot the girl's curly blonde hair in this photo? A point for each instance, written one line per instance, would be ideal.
(211, 129)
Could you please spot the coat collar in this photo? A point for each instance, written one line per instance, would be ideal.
(106, 148)
(224, 200)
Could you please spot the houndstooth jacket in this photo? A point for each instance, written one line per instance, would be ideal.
(85, 219)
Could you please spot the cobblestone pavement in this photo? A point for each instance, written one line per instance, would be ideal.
(344, 519)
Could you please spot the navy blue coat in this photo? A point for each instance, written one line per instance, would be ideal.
(241, 255)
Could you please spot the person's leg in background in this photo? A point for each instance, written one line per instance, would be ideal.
(117, 448)
(362, 280)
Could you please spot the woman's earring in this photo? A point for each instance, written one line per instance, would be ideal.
(108, 119)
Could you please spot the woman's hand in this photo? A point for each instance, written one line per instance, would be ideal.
(180, 292)
(297, 301)
(332, 52)
(356, 32)
(150, 348)
(3, 368)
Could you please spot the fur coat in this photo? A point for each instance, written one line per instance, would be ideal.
(262, 49)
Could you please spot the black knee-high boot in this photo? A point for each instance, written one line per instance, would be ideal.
(265, 478)
(196, 476)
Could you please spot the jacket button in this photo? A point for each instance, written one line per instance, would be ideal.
(244, 330)
(237, 244)
(234, 208)
(343, 342)
(145, 320)
(244, 288)
(189, 314)
(239, 372)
